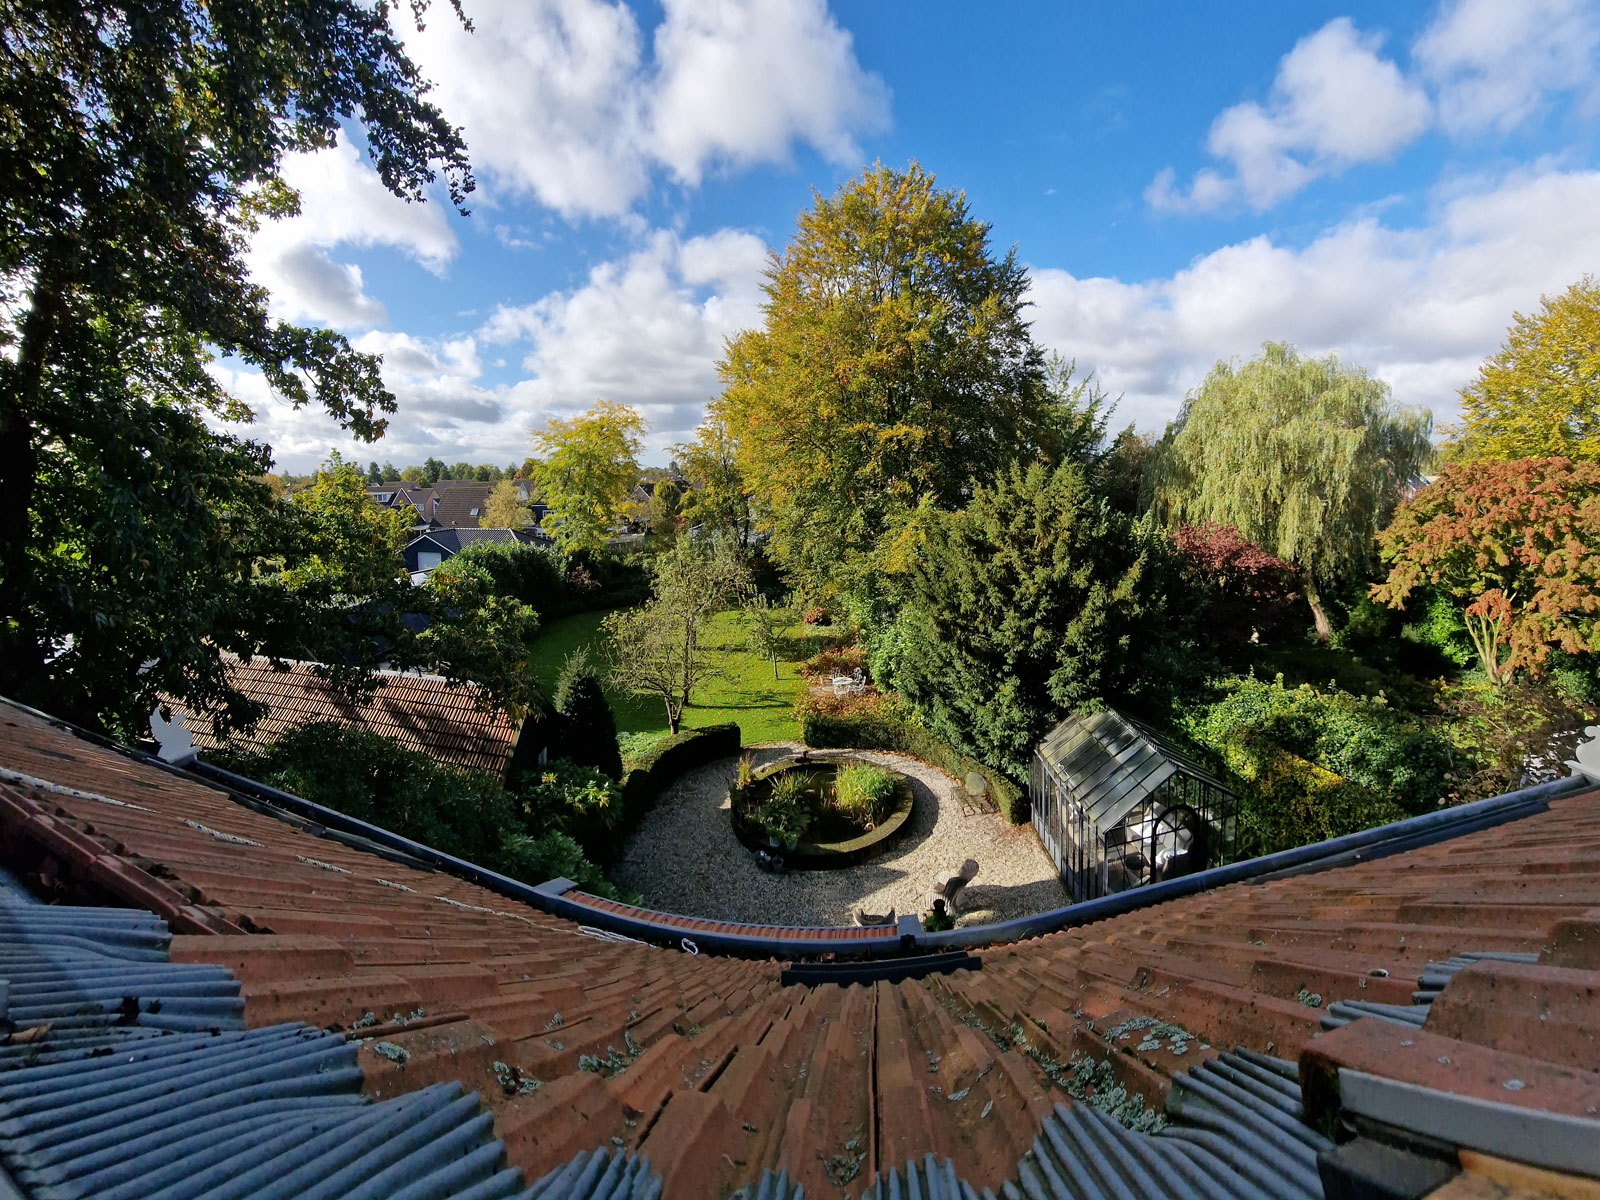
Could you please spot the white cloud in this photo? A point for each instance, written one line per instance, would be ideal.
(646, 329)
(1494, 63)
(738, 82)
(1420, 307)
(557, 101)
(1335, 102)
(342, 202)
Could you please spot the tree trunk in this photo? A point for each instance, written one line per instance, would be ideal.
(1314, 599)
(672, 718)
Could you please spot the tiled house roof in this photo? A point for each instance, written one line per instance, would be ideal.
(716, 1072)
(422, 712)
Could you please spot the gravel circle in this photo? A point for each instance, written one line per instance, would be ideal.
(685, 859)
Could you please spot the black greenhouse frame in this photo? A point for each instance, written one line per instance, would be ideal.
(1117, 806)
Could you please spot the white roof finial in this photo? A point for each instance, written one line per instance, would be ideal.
(1587, 762)
(176, 746)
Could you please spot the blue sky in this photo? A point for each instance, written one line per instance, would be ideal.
(1183, 181)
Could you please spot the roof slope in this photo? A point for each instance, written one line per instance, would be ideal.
(716, 1072)
(422, 712)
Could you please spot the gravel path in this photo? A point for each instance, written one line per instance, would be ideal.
(684, 858)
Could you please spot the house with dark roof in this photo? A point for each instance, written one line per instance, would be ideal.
(212, 986)
(449, 722)
(428, 549)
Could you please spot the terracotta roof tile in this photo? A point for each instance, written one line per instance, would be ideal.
(716, 1072)
(422, 712)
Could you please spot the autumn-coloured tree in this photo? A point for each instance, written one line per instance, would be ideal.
(505, 508)
(1539, 395)
(717, 499)
(1306, 457)
(1517, 544)
(1249, 593)
(590, 463)
(894, 365)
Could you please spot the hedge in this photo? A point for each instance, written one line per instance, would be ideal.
(879, 730)
(1287, 801)
(669, 758)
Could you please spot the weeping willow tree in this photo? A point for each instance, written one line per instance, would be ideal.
(1305, 456)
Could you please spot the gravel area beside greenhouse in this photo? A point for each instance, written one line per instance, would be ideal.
(685, 859)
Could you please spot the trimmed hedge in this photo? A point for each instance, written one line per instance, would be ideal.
(1288, 801)
(876, 729)
(669, 758)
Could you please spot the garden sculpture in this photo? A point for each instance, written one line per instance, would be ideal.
(944, 892)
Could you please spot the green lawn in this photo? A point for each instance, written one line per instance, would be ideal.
(744, 690)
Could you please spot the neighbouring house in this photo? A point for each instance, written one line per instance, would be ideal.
(448, 504)
(425, 713)
(428, 549)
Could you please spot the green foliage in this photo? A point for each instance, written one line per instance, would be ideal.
(1033, 602)
(573, 799)
(590, 464)
(665, 501)
(1304, 456)
(657, 650)
(874, 723)
(784, 813)
(588, 730)
(474, 634)
(863, 793)
(1392, 757)
(464, 813)
(349, 542)
(894, 364)
(1287, 801)
(141, 147)
(1539, 395)
(1442, 627)
(654, 770)
(718, 501)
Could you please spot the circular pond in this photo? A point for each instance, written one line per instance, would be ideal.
(819, 814)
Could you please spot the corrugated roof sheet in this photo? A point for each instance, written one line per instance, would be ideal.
(421, 712)
(715, 1073)
(124, 1075)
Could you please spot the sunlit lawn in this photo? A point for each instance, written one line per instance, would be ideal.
(744, 690)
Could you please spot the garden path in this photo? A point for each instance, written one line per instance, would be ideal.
(685, 859)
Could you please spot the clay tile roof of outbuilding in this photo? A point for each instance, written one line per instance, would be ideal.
(1483, 949)
(424, 713)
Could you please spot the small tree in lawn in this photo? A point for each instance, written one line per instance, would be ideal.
(765, 623)
(656, 650)
(1517, 544)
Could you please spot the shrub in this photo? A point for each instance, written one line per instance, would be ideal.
(574, 799)
(1364, 740)
(863, 793)
(669, 758)
(875, 723)
(1286, 801)
(588, 729)
(1249, 595)
(468, 814)
(827, 663)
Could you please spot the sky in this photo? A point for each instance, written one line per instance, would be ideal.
(1183, 181)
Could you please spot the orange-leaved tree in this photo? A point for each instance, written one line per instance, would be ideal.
(1517, 544)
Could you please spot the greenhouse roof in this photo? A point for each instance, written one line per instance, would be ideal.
(1110, 763)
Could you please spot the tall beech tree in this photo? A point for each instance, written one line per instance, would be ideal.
(141, 144)
(1305, 457)
(1517, 544)
(1538, 396)
(894, 365)
(591, 462)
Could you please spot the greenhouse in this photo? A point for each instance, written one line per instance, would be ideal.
(1117, 806)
